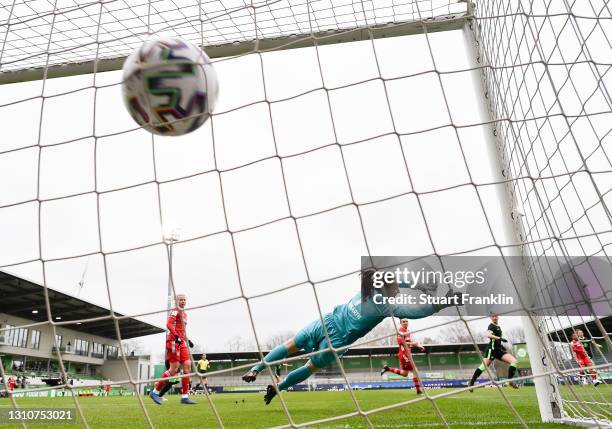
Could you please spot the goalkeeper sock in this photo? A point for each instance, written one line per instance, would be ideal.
(277, 353)
(294, 377)
(511, 370)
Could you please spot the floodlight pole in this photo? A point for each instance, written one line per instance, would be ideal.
(547, 388)
(170, 239)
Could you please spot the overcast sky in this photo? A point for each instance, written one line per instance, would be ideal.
(330, 160)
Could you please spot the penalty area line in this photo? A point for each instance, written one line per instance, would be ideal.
(430, 425)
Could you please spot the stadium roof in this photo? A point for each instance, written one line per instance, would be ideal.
(590, 329)
(357, 351)
(20, 297)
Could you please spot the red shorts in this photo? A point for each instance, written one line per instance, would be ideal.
(584, 362)
(176, 352)
(405, 363)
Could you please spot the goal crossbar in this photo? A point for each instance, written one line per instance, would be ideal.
(293, 41)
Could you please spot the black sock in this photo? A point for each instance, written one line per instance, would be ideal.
(476, 375)
(511, 371)
(165, 389)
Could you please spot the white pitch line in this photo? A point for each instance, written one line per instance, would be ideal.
(428, 425)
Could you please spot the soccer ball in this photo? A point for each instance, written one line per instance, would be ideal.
(169, 86)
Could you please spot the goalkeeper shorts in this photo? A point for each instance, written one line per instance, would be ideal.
(312, 338)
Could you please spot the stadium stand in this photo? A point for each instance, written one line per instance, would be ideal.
(89, 350)
(442, 363)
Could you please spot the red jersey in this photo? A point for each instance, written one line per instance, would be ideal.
(579, 350)
(403, 337)
(177, 324)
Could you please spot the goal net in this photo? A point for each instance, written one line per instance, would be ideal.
(343, 130)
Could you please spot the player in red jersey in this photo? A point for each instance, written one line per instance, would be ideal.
(404, 356)
(176, 351)
(583, 358)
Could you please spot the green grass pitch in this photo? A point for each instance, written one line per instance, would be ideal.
(484, 408)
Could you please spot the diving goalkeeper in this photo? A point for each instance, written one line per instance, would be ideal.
(345, 324)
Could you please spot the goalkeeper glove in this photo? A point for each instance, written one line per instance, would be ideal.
(190, 344)
(428, 288)
(177, 340)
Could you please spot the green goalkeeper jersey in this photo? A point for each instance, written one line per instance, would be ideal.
(356, 318)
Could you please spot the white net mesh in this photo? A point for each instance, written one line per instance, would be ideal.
(439, 143)
(554, 109)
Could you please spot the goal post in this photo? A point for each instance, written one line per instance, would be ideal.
(505, 104)
(547, 388)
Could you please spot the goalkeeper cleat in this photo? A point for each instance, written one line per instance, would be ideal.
(270, 394)
(470, 383)
(188, 401)
(250, 376)
(385, 369)
(513, 385)
(155, 397)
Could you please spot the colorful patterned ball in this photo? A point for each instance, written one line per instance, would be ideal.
(169, 86)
